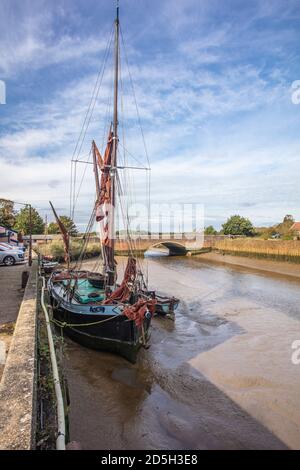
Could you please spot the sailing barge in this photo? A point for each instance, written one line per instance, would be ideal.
(117, 322)
(91, 307)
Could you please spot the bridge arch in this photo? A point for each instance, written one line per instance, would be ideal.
(175, 249)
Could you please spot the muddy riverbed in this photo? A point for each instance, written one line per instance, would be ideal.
(219, 377)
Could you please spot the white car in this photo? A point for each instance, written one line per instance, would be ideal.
(11, 247)
(9, 256)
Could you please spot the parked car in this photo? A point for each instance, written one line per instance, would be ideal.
(12, 247)
(9, 256)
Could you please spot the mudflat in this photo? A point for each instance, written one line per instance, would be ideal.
(220, 377)
(281, 268)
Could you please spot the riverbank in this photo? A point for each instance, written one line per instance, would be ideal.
(280, 268)
(276, 250)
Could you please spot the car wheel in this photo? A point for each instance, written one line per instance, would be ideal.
(9, 261)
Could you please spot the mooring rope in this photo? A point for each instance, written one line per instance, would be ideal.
(72, 325)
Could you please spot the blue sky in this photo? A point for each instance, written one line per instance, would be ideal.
(213, 83)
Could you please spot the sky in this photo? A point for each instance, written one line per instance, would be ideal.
(213, 80)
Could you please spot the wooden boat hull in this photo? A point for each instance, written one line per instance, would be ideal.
(98, 338)
(116, 333)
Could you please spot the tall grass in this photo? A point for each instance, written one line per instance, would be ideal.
(281, 250)
(56, 250)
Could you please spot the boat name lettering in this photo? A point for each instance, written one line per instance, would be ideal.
(96, 309)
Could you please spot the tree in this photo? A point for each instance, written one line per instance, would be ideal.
(53, 228)
(22, 223)
(7, 213)
(288, 219)
(68, 223)
(210, 230)
(284, 228)
(237, 225)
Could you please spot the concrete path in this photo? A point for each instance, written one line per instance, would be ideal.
(11, 294)
(18, 382)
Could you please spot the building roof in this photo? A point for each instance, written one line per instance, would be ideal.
(296, 226)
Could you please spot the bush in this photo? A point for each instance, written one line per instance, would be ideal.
(57, 251)
(94, 249)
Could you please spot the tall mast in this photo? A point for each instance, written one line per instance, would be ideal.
(115, 129)
(115, 147)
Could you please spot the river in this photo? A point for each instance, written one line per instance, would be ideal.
(219, 377)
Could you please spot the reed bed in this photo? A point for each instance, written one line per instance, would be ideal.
(281, 250)
(56, 250)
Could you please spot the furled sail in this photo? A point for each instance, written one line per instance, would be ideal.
(137, 311)
(104, 203)
(105, 199)
(123, 292)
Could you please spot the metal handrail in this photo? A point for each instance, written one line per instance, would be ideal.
(60, 441)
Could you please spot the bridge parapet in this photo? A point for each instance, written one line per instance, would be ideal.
(176, 243)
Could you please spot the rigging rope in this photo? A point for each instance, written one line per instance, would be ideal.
(133, 245)
(88, 116)
(148, 181)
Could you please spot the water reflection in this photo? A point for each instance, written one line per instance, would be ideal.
(156, 252)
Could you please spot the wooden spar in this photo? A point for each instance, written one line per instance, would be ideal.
(111, 261)
(65, 235)
(118, 167)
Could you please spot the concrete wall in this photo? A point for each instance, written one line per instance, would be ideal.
(18, 384)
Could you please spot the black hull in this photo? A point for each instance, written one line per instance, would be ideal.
(118, 335)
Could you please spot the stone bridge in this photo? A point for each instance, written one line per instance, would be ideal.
(177, 244)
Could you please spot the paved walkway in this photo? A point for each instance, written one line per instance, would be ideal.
(11, 294)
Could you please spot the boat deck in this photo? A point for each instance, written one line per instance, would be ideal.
(85, 293)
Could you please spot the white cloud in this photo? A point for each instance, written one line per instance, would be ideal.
(193, 99)
(29, 40)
